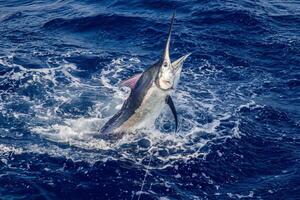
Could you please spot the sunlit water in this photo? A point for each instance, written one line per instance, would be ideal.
(238, 100)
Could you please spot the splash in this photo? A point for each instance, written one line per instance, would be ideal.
(71, 115)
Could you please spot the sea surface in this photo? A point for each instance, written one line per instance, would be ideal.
(238, 100)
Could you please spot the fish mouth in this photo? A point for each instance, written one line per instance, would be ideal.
(166, 82)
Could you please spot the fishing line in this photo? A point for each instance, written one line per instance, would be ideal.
(146, 173)
(145, 176)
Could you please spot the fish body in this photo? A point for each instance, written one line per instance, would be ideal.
(150, 92)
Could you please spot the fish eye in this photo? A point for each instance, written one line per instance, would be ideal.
(165, 64)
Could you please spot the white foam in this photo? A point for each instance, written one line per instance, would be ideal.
(79, 131)
(6, 150)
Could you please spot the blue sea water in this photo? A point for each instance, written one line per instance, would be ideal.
(238, 100)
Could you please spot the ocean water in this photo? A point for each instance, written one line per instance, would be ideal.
(238, 100)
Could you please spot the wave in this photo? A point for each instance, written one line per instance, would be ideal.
(112, 22)
(60, 66)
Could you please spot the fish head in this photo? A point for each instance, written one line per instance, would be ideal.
(166, 75)
(169, 72)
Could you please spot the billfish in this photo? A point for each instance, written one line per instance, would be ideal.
(150, 91)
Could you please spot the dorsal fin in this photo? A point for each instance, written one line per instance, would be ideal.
(131, 82)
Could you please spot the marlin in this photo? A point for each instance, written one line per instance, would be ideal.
(150, 91)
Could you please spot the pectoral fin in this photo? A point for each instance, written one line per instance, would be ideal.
(131, 82)
(169, 101)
